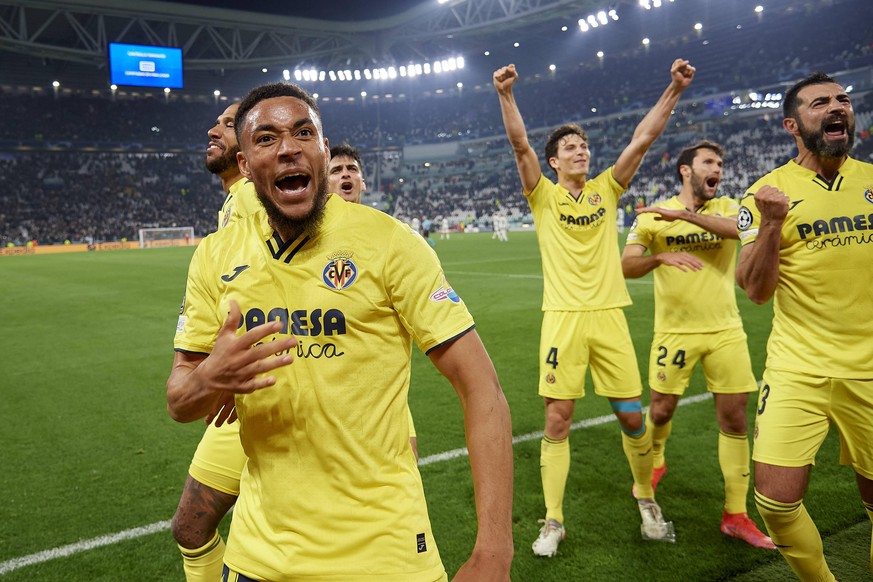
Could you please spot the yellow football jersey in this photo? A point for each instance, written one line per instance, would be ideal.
(331, 490)
(691, 301)
(579, 244)
(241, 201)
(823, 299)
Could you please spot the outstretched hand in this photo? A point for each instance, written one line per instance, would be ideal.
(667, 214)
(504, 78)
(682, 72)
(237, 363)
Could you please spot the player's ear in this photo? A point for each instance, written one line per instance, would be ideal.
(790, 125)
(243, 165)
(685, 170)
(553, 163)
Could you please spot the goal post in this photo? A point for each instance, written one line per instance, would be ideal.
(176, 236)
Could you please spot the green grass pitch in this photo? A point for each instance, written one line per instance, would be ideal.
(90, 454)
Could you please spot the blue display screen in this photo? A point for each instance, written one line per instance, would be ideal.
(145, 66)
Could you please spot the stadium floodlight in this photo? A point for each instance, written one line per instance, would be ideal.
(759, 9)
(656, 3)
(516, 45)
(321, 75)
(357, 75)
(286, 74)
(402, 70)
(601, 17)
(437, 67)
(645, 4)
(348, 75)
(166, 90)
(698, 27)
(383, 72)
(392, 73)
(56, 84)
(367, 74)
(315, 96)
(304, 74)
(461, 62)
(113, 88)
(487, 53)
(613, 14)
(298, 76)
(332, 75)
(425, 68)
(363, 94)
(419, 69)
(564, 29)
(217, 93)
(583, 26)
(592, 21)
(599, 54)
(264, 70)
(459, 85)
(552, 68)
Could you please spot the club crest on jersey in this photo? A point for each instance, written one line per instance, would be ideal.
(662, 377)
(550, 379)
(595, 199)
(868, 195)
(744, 219)
(445, 292)
(340, 272)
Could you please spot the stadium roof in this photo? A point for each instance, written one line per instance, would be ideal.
(41, 40)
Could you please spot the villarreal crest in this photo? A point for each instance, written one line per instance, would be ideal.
(340, 272)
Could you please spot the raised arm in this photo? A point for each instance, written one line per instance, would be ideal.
(525, 157)
(653, 123)
(465, 363)
(723, 226)
(199, 382)
(758, 266)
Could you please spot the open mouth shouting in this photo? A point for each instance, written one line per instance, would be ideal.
(292, 185)
(836, 127)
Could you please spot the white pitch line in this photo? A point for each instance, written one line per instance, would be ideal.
(108, 540)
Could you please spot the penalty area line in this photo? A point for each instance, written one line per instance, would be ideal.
(137, 532)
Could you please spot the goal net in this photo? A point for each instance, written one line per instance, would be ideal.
(176, 236)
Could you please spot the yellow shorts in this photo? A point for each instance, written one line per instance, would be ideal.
(219, 459)
(571, 341)
(724, 356)
(795, 412)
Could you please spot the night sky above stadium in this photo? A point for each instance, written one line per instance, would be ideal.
(342, 10)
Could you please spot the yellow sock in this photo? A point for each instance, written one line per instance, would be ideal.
(660, 434)
(638, 450)
(733, 457)
(204, 564)
(554, 468)
(869, 508)
(794, 533)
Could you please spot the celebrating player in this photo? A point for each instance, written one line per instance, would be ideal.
(805, 234)
(584, 292)
(690, 243)
(302, 317)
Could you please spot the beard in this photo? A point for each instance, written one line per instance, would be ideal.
(815, 140)
(295, 227)
(698, 188)
(223, 163)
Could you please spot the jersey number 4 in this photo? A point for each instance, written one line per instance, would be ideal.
(552, 357)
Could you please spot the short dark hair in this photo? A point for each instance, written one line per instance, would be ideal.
(560, 133)
(270, 91)
(790, 103)
(686, 156)
(348, 151)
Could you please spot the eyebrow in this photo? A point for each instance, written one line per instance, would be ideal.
(271, 127)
